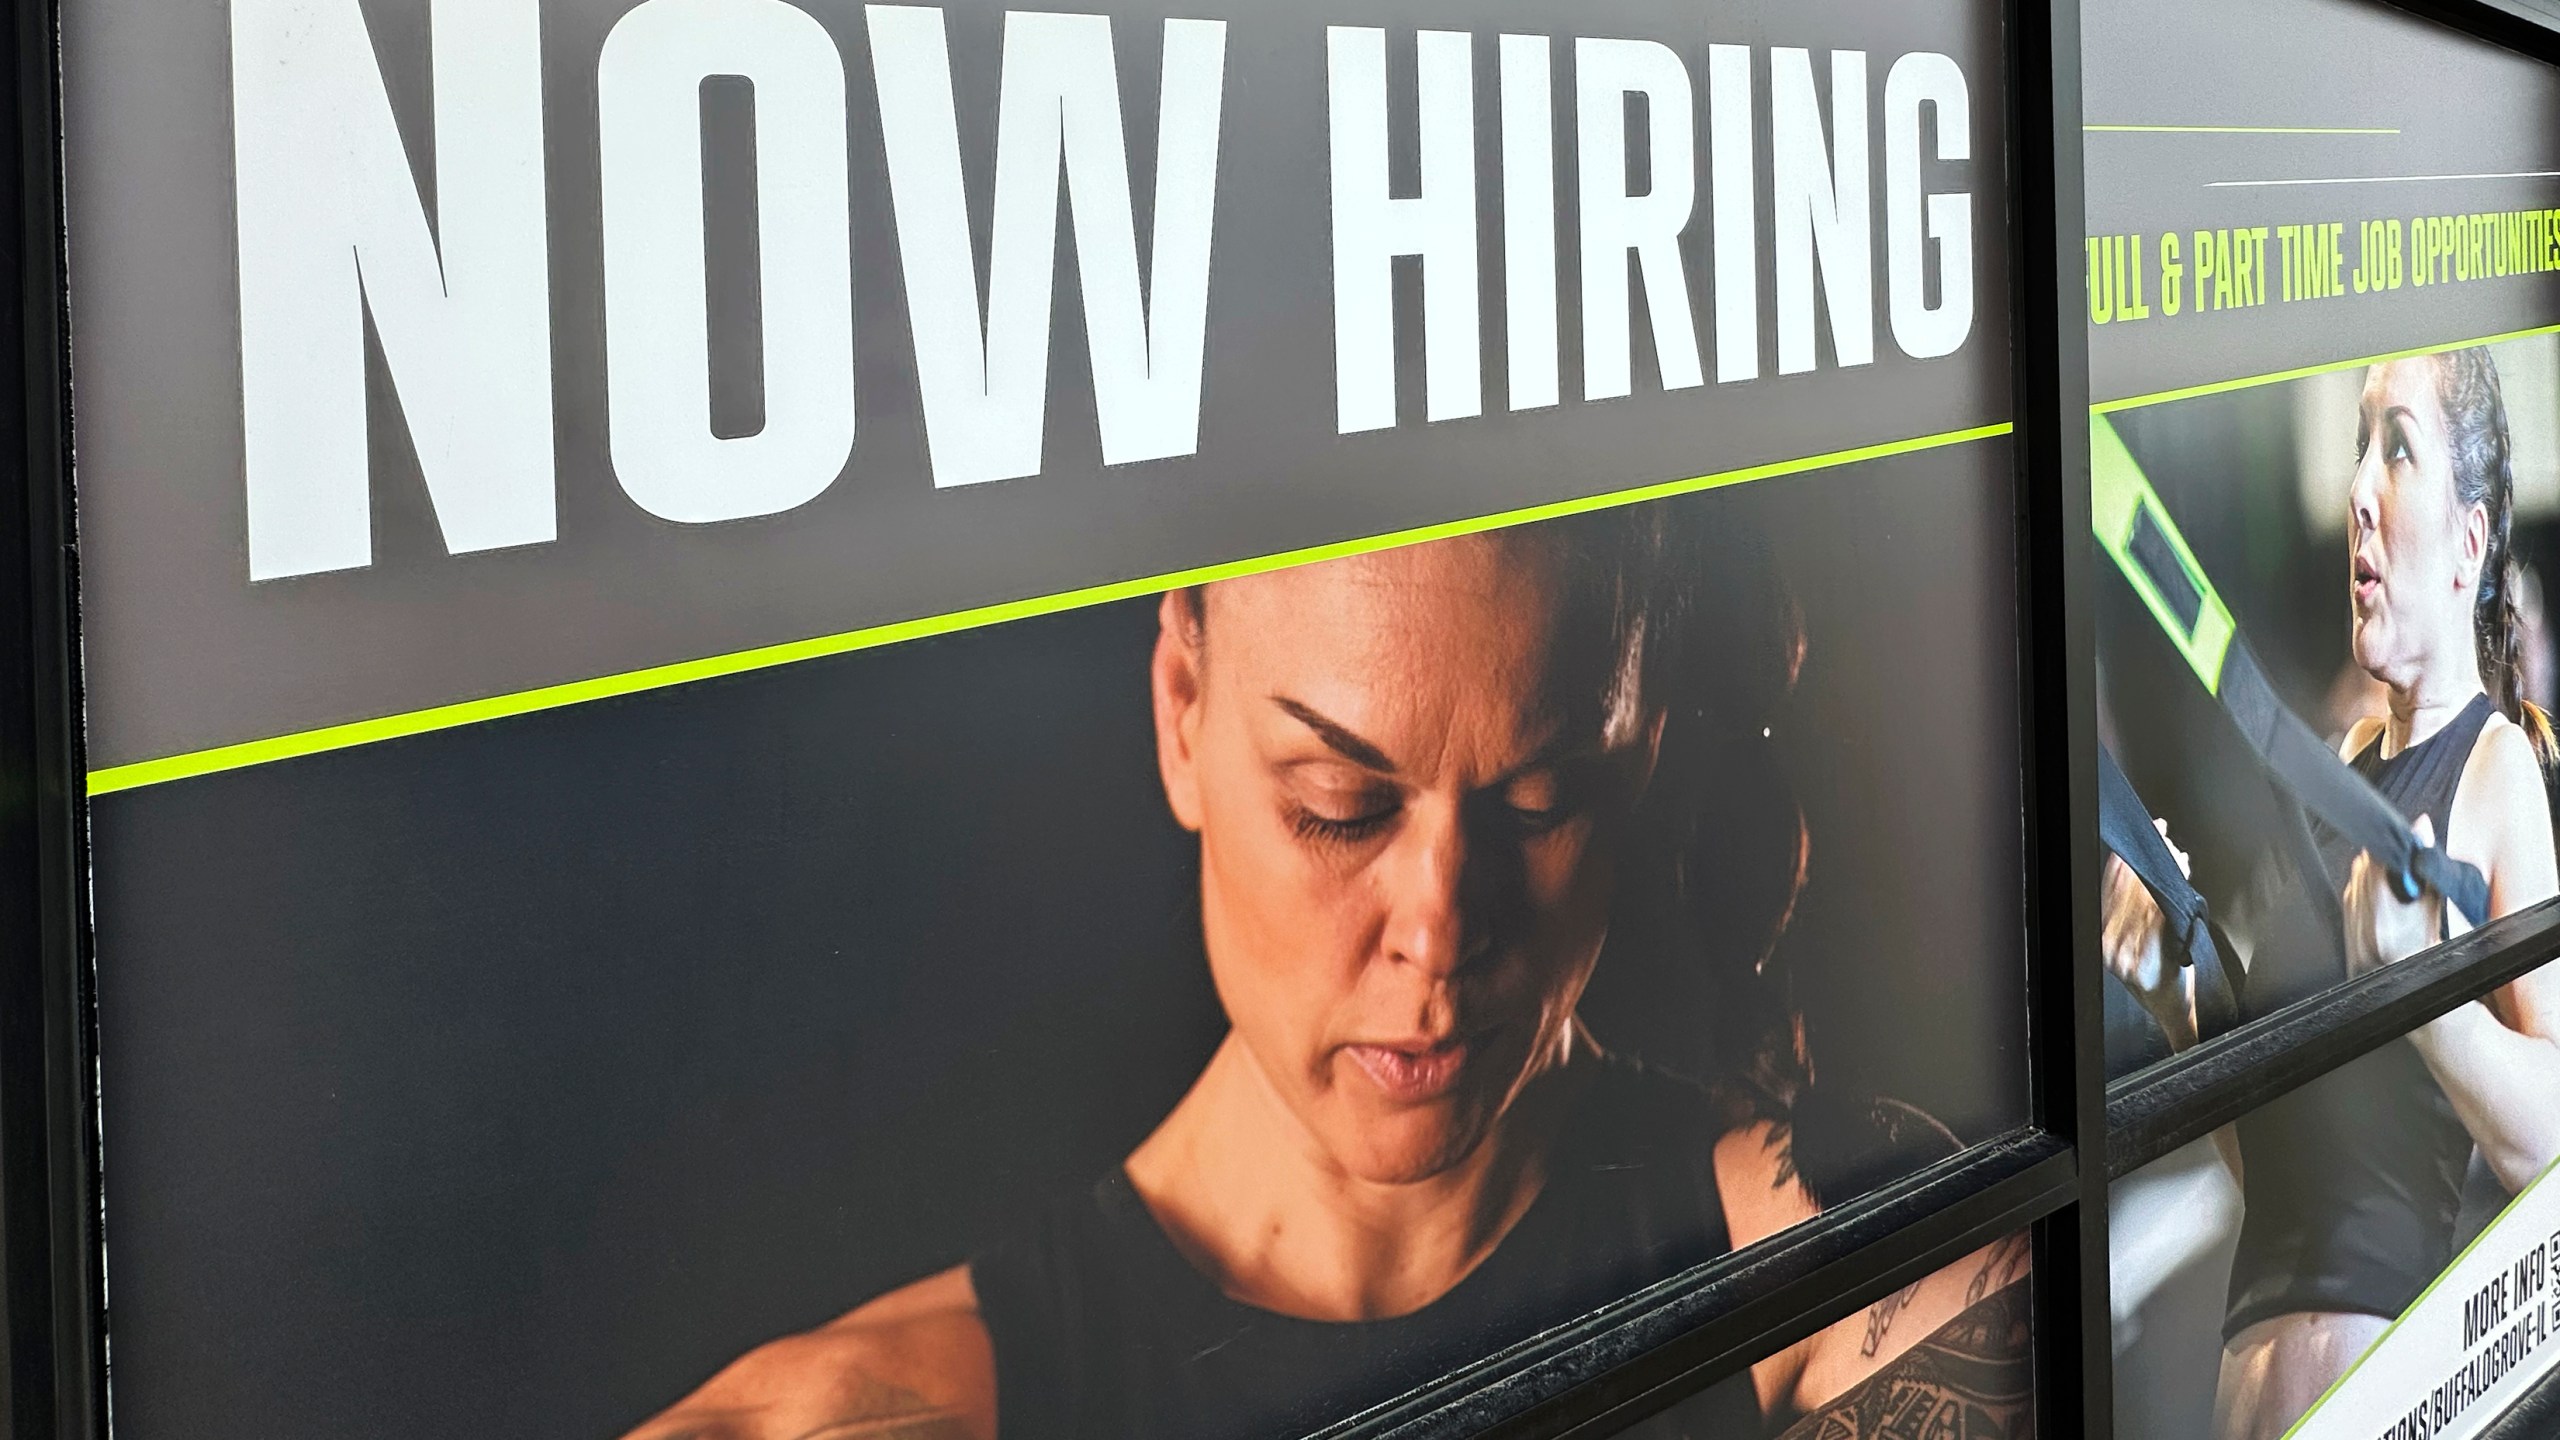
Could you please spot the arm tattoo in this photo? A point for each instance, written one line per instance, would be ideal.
(1880, 1317)
(2006, 1262)
(2002, 1263)
(1972, 1380)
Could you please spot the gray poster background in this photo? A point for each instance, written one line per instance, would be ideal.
(184, 653)
(2462, 106)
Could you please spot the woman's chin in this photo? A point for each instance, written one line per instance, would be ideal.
(2367, 645)
(1407, 1146)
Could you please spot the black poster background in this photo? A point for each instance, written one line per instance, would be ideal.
(506, 1081)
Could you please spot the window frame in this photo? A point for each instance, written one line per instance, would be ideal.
(1587, 1380)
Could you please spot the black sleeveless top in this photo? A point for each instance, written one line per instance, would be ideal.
(1103, 1331)
(2353, 1182)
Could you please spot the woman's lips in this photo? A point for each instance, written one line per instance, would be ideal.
(1411, 1073)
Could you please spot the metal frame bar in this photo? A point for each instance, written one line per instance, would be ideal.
(2058, 660)
(2534, 1415)
(2154, 1111)
(2521, 25)
(1653, 1350)
(49, 1256)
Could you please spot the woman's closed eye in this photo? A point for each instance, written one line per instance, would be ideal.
(1539, 802)
(1340, 813)
(1350, 808)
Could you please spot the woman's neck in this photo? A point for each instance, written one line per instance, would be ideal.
(2430, 700)
(1253, 1201)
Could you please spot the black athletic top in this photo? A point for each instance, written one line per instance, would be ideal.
(1102, 1331)
(2353, 1182)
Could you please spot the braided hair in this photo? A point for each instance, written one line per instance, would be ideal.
(2475, 413)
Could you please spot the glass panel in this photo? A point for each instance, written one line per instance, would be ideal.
(2321, 595)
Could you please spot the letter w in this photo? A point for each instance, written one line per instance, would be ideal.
(985, 390)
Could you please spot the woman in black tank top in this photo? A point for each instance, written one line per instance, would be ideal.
(1412, 776)
(2352, 1183)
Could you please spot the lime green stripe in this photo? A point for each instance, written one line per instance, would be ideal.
(472, 712)
(2385, 1337)
(2277, 377)
(2233, 130)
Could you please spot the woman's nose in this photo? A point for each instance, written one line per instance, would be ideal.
(1430, 923)
(2364, 495)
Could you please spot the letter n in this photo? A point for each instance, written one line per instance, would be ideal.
(332, 228)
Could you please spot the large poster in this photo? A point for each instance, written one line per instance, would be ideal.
(2325, 336)
(874, 719)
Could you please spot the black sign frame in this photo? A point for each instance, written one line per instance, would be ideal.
(1588, 1380)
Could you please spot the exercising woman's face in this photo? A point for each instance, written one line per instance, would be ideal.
(2413, 555)
(1408, 784)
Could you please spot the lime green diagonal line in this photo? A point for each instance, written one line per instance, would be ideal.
(2326, 367)
(472, 712)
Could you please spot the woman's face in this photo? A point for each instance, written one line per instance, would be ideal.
(1408, 784)
(2413, 555)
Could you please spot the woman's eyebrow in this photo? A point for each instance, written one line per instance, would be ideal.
(1344, 743)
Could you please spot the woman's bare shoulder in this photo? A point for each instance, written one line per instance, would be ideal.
(1756, 1175)
(2501, 782)
(914, 1364)
(2504, 755)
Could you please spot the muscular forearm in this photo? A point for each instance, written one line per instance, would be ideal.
(2135, 943)
(891, 1423)
(924, 1375)
(913, 1427)
(2504, 1084)
(2176, 1012)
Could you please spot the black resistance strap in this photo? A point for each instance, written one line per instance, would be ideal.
(2135, 529)
(2124, 826)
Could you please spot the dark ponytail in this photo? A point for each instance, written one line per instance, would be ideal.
(2475, 412)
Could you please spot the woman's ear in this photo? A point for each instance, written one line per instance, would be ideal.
(2475, 544)
(1176, 680)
